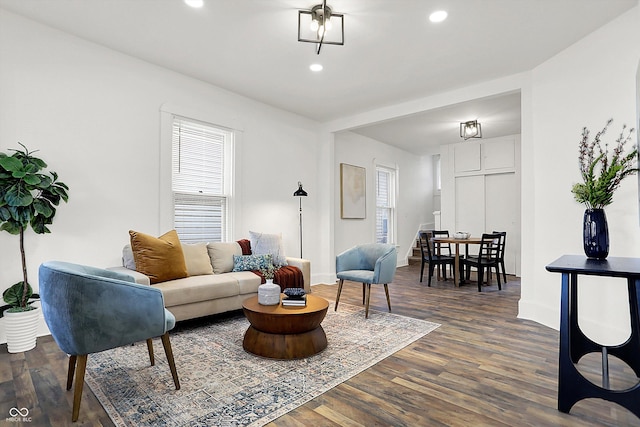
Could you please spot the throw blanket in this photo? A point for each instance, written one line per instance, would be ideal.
(286, 276)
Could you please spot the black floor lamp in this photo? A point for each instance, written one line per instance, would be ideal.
(300, 193)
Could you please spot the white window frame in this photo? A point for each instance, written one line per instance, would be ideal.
(438, 174)
(232, 175)
(204, 192)
(390, 206)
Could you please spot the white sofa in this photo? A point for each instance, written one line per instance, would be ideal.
(210, 293)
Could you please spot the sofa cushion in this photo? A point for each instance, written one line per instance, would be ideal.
(198, 288)
(221, 255)
(251, 262)
(196, 257)
(160, 258)
(262, 244)
(247, 281)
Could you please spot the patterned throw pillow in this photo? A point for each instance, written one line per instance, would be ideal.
(262, 243)
(251, 262)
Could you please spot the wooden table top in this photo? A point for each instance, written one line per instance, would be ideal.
(314, 304)
(471, 240)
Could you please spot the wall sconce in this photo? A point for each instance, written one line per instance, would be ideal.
(320, 25)
(470, 129)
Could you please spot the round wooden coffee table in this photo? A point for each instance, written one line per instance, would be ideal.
(281, 332)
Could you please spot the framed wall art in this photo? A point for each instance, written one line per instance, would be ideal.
(353, 189)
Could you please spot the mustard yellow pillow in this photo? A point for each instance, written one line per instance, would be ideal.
(160, 258)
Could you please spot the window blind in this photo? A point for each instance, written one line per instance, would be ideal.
(383, 206)
(198, 180)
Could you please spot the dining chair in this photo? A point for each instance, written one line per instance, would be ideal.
(431, 258)
(442, 249)
(502, 244)
(89, 310)
(372, 263)
(487, 258)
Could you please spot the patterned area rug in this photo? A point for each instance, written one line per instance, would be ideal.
(222, 385)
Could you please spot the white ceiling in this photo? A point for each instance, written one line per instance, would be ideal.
(392, 53)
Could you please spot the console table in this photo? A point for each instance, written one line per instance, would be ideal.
(572, 385)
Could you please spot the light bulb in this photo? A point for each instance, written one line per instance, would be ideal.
(314, 25)
(328, 24)
(195, 3)
(438, 16)
(315, 67)
(320, 31)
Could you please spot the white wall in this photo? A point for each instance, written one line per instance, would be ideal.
(94, 114)
(585, 85)
(414, 197)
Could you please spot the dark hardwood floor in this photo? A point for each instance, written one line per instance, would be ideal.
(482, 367)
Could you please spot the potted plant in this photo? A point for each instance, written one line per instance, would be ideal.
(601, 175)
(28, 196)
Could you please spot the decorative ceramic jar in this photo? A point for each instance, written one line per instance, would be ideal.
(269, 293)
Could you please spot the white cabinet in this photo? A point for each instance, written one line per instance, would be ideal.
(481, 191)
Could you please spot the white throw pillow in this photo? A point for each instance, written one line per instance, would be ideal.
(221, 254)
(127, 258)
(263, 244)
(197, 259)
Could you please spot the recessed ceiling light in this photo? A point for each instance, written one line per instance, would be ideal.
(195, 3)
(315, 67)
(438, 16)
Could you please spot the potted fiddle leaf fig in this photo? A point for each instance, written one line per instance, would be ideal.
(28, 197)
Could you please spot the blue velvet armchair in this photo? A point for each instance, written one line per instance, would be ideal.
(372, 263)
(89, 310)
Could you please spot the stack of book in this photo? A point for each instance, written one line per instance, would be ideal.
(294, 297)
(294, 301)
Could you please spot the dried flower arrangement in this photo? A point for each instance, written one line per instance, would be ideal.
(269, 272)
(601, 174)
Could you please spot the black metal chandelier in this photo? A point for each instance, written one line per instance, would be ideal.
(321, 26)
(470, 129)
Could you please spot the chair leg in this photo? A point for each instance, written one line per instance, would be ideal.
(386, 291)
(363, 293)
(338, 295)
(504, 271)
(432, 268)
(150, 348)
(421, 270)
(498, 276)
(71, 371)
(480, 278)
(172, 364)
(77, 391)
(366, 308)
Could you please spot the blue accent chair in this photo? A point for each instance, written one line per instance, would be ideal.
(89, 310)
(372, 263)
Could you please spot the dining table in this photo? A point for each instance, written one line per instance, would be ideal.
(457, 242)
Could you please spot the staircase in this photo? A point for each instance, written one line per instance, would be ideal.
(416, 256)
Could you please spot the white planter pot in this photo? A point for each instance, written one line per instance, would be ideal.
(21, 330)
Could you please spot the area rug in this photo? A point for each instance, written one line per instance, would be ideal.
(222, 385)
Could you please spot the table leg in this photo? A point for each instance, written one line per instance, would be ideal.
(572, 385)
(456, 267)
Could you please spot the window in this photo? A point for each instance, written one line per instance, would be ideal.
(200, 182)
(438, 173)
(385, 204)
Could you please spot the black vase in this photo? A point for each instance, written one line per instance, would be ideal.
(595, 234)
